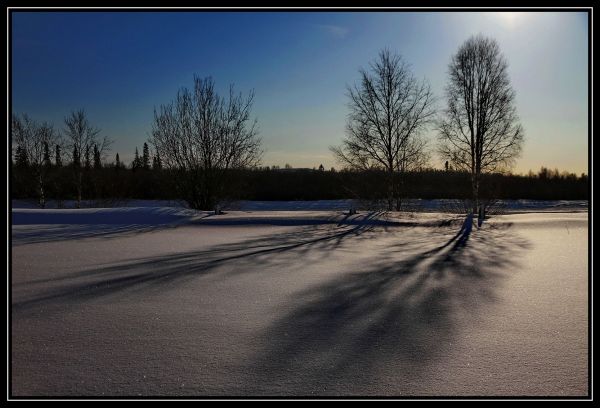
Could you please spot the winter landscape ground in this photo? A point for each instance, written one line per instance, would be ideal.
(263, 301)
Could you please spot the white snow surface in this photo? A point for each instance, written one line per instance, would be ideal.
(167, 301)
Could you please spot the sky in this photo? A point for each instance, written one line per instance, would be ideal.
(118, 66)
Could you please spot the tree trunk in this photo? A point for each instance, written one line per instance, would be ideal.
(475, 191)
(399, 190)
(79, 188)
(390, 200)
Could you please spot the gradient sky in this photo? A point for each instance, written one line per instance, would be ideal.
(120, 65)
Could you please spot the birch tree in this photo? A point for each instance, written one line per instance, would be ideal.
(389, 110)
(479, 130)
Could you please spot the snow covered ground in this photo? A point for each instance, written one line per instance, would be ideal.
(168, 301)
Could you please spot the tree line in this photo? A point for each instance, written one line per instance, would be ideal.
(206, 149)
(145, 179)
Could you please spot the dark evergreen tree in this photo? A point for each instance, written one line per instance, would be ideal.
(87, 162)
(156, 162)
(76, 157)
(146, 157)
(20, 157)
(97, 161)
(136, 160)
(46, 160)
(57, 158)
(117, 161)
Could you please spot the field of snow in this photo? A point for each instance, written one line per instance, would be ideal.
(152, 301)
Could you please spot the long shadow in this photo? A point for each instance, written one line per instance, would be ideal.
(55, 225)
(330, 233)
(162, 271)
(397, 317)
(59, 232)
(42, 231)
(397, 313)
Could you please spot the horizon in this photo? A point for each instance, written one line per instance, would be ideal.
(299, 65)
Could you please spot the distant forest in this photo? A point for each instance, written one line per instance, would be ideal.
(146, 179)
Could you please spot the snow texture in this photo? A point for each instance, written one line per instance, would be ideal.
(153, 301)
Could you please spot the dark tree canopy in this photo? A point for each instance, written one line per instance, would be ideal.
(87, 162)
(47, 161)
(76, 160)
(136, 164)
(57, 157)
(97, 159)
(146, 157)
(156, 162)
(20, 157)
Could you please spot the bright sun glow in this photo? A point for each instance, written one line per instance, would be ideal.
(511, 18)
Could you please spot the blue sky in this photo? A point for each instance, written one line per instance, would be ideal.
(120, 65)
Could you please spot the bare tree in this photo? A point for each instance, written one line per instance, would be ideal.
(32, 140)
(389, 109)
(479, 131)
(82, 137)
(202, 136)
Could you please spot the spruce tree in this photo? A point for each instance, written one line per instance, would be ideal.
(136, 160)
(156, 162)
(20, 157)
(57, 157)
(87, 157)
(146, 157)
(97, 161)
(76, 158)
(46, 160)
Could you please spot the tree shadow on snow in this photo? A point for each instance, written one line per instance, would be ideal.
(64, 232)
(399, 312)
(75, 227)
(394, 317)
(167, 271)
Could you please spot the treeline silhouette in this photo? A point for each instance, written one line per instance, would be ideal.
(310, 184)
(146, 179)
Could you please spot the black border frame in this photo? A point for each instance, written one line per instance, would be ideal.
(573, 8)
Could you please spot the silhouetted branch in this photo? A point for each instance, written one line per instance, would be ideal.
(480, 130)
(389, 109)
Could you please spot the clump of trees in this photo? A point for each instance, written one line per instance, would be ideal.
(389, 110)
(201, 142)
(201, 136)
(32, 142)
(103, 182)
(82, 140)
(478, 131)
